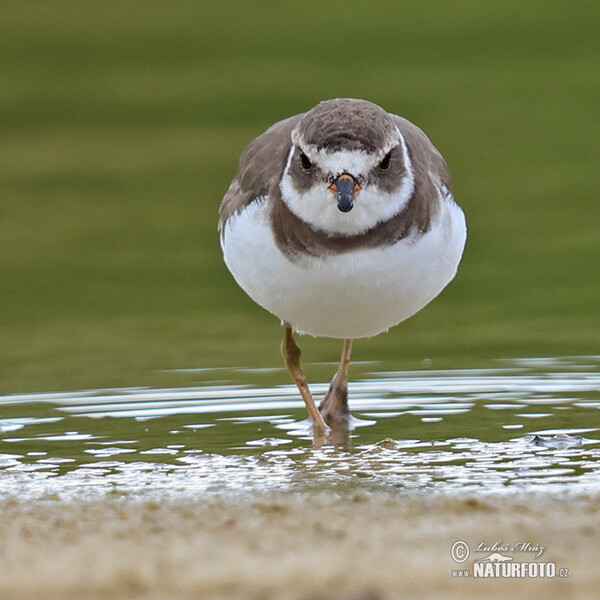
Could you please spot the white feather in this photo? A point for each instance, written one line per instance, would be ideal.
(350, 295)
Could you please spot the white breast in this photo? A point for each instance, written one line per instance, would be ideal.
(351, 295)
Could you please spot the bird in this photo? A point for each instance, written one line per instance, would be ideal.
(341, 222)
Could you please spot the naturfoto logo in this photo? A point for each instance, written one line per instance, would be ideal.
(498, 560)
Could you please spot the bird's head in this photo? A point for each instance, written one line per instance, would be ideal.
(348, 168)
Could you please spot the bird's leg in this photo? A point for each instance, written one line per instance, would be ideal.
(291, 357)
(334, 407)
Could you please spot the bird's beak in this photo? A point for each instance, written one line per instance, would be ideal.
(345, 188)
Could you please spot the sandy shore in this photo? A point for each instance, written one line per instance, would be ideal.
(308, 546)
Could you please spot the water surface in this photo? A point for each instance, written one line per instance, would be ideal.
(521, 423)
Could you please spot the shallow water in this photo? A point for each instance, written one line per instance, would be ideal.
(517, 424)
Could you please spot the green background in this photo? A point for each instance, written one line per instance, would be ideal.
(121, 124)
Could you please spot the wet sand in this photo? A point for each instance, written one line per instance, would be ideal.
(317, 545)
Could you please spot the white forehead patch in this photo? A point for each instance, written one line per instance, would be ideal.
(356, 162)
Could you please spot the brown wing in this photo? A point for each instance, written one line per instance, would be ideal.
(429, 166)
(432, 178)
(260, 168)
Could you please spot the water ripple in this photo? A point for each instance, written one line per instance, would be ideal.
(426, 429)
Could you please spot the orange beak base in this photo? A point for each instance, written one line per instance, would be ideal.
(345, 188)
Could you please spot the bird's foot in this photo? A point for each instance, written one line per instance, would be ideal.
(334, 406)
(335, 412)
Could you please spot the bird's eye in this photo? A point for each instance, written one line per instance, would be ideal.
(384, 165)
(306, 164)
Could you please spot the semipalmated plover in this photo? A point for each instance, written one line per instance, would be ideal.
(341, 222)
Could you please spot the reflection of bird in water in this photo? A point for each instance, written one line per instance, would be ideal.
(342, 223)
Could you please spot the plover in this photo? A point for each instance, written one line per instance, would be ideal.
(341, 222)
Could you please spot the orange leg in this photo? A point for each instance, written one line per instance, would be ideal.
(291, 357)
(334, 407)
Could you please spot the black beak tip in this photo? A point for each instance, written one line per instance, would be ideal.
(345, 205)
